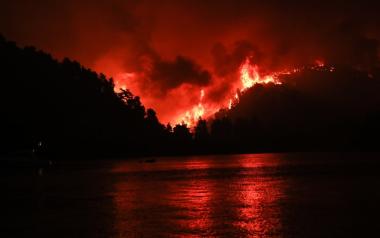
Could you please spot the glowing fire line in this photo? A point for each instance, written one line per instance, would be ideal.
(249, 75)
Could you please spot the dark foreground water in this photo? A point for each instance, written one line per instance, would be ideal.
(269, 195)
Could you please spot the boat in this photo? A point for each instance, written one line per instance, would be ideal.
(152, 160)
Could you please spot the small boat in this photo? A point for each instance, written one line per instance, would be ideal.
(152, 160)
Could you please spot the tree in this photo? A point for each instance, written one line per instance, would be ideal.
(201, 134)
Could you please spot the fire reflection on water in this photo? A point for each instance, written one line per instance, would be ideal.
(198, 197)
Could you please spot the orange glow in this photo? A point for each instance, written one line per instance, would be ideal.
(193, 200)
(190, 117)
(122, 80)
(249, 76)
(249, 73)
(320, 63)
(202, 94)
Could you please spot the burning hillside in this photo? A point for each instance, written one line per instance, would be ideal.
(248, 75)
(188, 59)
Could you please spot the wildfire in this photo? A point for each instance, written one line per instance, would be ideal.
(320, 63)
(122, 79)
(249, 76)
(230, 104)
(192, 116)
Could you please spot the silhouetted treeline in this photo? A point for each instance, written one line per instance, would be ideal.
(63, 109)
(52, 108)
(316, 109)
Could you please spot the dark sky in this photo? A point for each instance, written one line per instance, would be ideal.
(178, 47)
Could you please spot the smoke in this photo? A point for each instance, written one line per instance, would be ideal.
(226, 62)
(172, 74)
(176, 48)
(349, 46)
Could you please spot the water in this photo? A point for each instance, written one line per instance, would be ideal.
(267, 195)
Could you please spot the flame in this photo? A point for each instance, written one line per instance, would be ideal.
(319, 63)
(202, 94)
(249, 76)
(121, 81)
(190, 117)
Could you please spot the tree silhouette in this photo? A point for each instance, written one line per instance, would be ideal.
(70, 109)
(62, 109)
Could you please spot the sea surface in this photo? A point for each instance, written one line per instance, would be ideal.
(255, 195)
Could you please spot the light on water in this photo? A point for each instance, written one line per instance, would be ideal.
(204, 196)
(268, 195)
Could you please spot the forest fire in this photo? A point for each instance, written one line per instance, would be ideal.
(137, 43)
(190, 117)
(248, 75)
(122, 80)
(146, 118)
